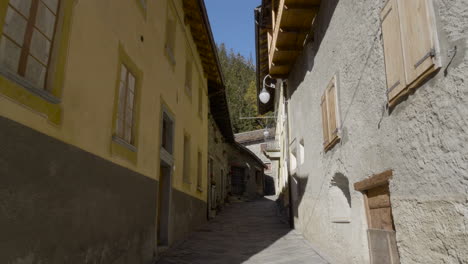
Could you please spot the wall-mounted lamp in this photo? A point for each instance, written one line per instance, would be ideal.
(264, 95)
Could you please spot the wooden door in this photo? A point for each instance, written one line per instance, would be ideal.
(164, 193)
(381, 232)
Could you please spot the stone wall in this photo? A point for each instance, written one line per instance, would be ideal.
(423, 140)
(217, 152)
(241, 158)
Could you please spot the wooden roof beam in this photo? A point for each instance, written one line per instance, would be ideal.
(301, 7)
(288, 48)
(294, 30)
(281, 63)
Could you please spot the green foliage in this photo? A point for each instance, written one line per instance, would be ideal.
(240, 81)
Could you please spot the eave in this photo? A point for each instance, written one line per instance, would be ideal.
(196, 17)
(291, 27)
(279, 44)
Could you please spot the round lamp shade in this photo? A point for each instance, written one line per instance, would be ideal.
(264, 96)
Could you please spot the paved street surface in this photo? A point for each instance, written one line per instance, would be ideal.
(244, 232)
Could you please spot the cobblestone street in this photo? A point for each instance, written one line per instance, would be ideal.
(244, 232)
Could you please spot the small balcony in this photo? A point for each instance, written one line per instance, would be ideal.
(272, 150)
(273, 146)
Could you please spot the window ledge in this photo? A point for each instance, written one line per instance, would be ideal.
(332, 144)
(341, 220)
(123, 143)
(29, 86)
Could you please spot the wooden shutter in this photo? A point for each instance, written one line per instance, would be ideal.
(331, 103)
(324, 120)
(417, 31)
(394, 64)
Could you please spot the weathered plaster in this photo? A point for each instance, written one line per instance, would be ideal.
(423, 140)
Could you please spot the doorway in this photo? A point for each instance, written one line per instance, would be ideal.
(164, 204)
(381, 231)
(238, 180)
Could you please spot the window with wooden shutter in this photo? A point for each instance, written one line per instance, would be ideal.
(27, 38)
(324, 120)
(200, 99)
(126, 102)
(188, 76)
(330, 116)
(410, 45)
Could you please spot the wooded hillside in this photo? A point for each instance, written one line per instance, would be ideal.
(239, 76)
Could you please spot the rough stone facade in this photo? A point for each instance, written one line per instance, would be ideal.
(423, 139)
(241, 157)
(218, 166)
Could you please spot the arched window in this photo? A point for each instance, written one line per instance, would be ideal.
(339, 199)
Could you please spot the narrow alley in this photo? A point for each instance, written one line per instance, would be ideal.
(245, 232)
(229, 132)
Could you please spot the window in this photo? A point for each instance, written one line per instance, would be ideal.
(410, 45)
(186, 169)
(188, 76)
(143, 3)
(329, 116)
(167, 133)
(126, 102)
(199, 172)
(170, 36)
(301, 152)
(26, 41)
(293, 159)
(200, 100)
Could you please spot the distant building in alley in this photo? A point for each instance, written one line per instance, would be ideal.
(234, 170)
(258, 141)
(104, 128)
(371, 103)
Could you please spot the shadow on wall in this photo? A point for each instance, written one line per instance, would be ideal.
(306, 61)
(298, 187)
(269, 185)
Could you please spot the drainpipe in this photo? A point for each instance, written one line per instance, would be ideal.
(291, 208)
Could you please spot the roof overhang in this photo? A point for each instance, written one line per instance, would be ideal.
(196, 17)
(282, 29)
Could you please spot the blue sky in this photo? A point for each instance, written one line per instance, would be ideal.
(232, 23)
